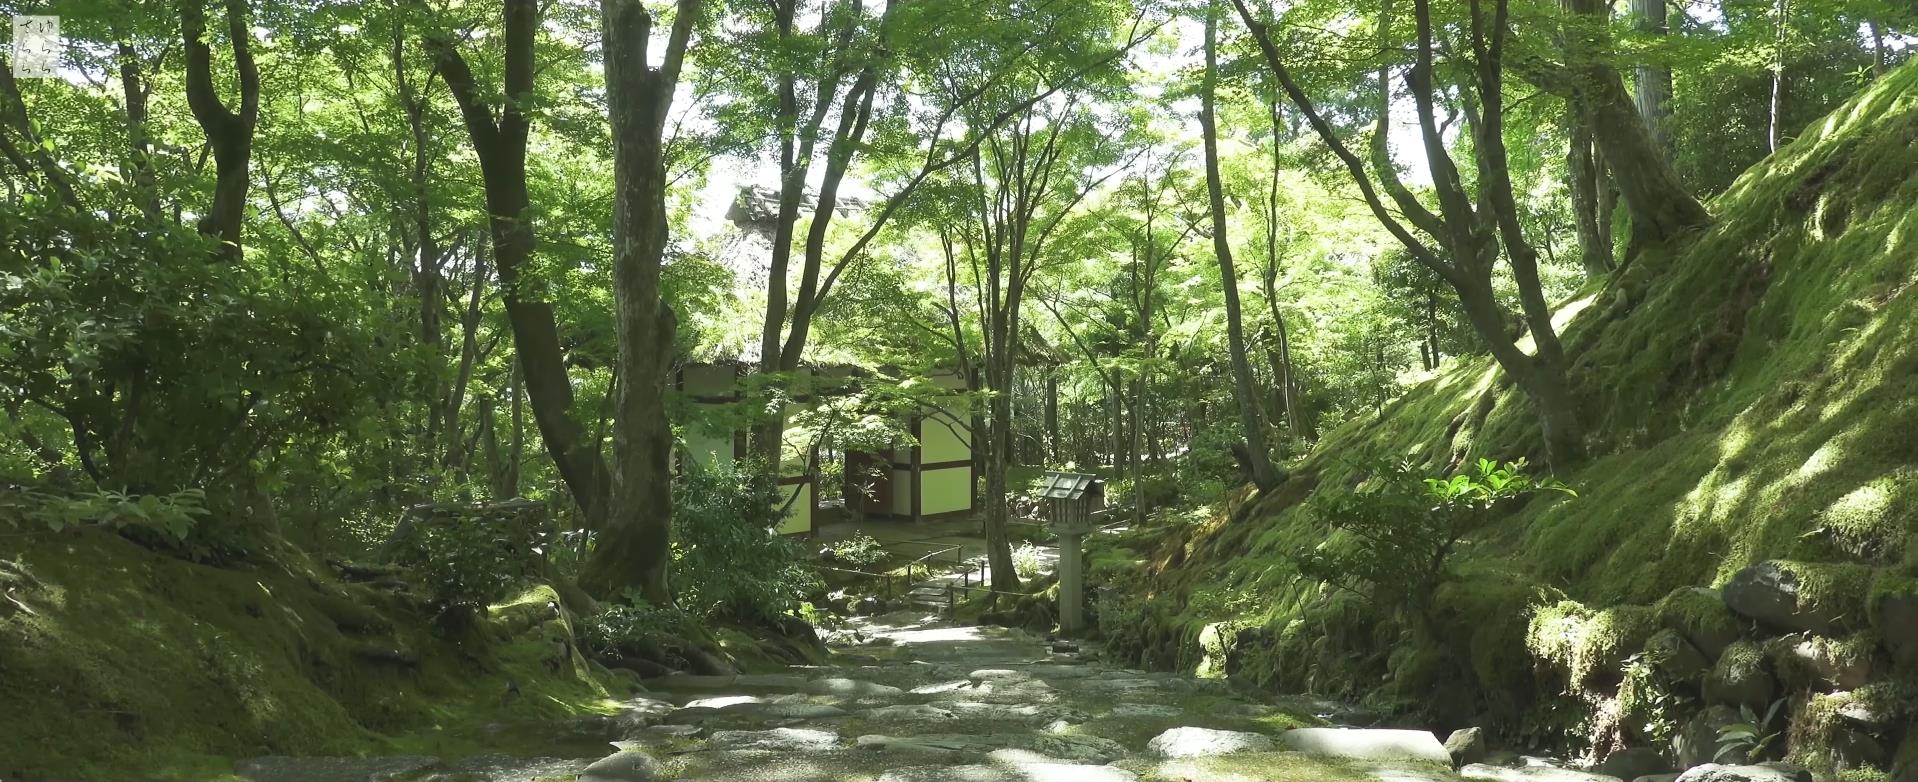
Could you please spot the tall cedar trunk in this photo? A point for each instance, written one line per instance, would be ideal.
(500, 145)
(229, 133)
(1660, 207)
(1654, 94)
(1259, 458)
(634, 547)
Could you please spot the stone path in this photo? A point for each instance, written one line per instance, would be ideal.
(923, 700)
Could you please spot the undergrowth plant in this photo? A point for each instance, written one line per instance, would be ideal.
(1402, 529)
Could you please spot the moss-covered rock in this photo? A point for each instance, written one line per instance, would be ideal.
(1815, 597)
(1699, 614)
(1589, 646)
(1894, 617)
(1741, 677)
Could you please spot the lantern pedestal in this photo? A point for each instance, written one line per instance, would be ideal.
(1072, 599)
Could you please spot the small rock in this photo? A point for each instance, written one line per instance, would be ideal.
(1741, 679)
(1203, 742)
(1764, 772)
(623, 767)
(1633, 762)
(1367, 744)
(1466, 746)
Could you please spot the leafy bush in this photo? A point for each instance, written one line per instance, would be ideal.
(468, 558)
(1402, 530)
(622, 628)
(727, 558)
(1028, 561)
(859, 552)
(172, 516)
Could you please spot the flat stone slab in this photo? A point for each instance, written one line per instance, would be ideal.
(623, 767)
(1768, 772)
(723, 701)
(776, 740)
(919, 712)
(850, 688)
(1367, 744)
(1190, 742)
(1540, 773)
(282, 768)
(1023, 772)
(1054, 748)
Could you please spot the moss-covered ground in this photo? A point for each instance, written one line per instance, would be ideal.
(119, 663)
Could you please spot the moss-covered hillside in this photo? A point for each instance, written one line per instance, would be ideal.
(121, 663)
(1752, 394)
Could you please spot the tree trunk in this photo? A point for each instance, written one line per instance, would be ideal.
(634, 549)
(1654, 79)
(1052, 417)
(1660, 207)
(1259, 458)
(500, 146)
(229, 133)
(1582, 171)
(1773, 132)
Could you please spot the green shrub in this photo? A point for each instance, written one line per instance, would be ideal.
(468, 558)
(622, 628)
(170, 516)
(728, 560)
(858, 552)
(1402, 530)
(1028, 561)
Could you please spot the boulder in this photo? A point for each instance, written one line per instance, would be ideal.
(1894, 614)
(1466, 746)
(623, 767)
(1741, 678)
(1676, 657)
(1187, 742)
(1366, 744)
(1797, 597)
(1697, 742)
(1699, 614)
(1764, 772)
(1633, 762)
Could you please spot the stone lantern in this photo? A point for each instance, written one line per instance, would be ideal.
(1071, 501)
